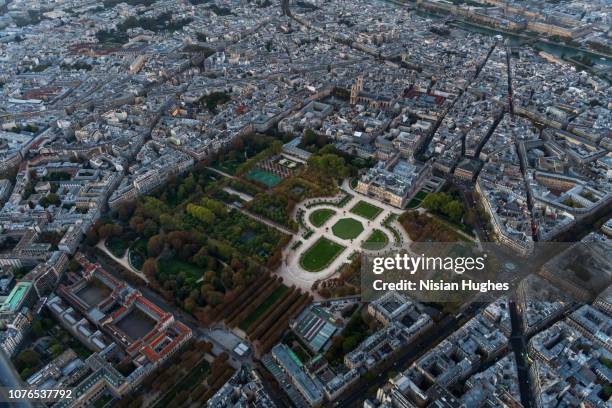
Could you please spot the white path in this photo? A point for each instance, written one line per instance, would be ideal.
(123, 261)
(240, 194)
(291, 271)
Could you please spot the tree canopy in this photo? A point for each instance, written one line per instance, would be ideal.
(444, 204)
(329, 165)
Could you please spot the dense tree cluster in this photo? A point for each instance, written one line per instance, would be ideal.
(345, 284)
(50, 199)
(442, 203)
(184, 379)
(423, 228)
(221, 11)
(312, 141)
(194, 249)
(27, 128)
(113, 3)
(112, 37)
(214, 99)
(321, 147)
(76, 66)
(202, 214)
(278, 204)
(328, 165)
(275, 148)
(162, 22)
(266, 328)
(356, 330)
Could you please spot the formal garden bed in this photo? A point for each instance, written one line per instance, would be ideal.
(347, 228)
(387, 223)
(366, 210)
(136, 259)
(376, 241)
(278, 203)
(333, 202)
(319, 217)
(320, 255)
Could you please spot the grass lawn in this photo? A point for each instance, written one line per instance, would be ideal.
(376, 240)
(366, 210)
(265, 305)
(320, 255)
(347, 228)
(174, 267)
(117, 246)
(319, 217)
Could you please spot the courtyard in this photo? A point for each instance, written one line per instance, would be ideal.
(136, 324)
(94, 292)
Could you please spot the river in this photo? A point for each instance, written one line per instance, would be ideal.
(558, 50)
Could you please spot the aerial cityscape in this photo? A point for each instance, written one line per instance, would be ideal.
(193, 194)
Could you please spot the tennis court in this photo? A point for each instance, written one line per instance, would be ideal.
(264, 177)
